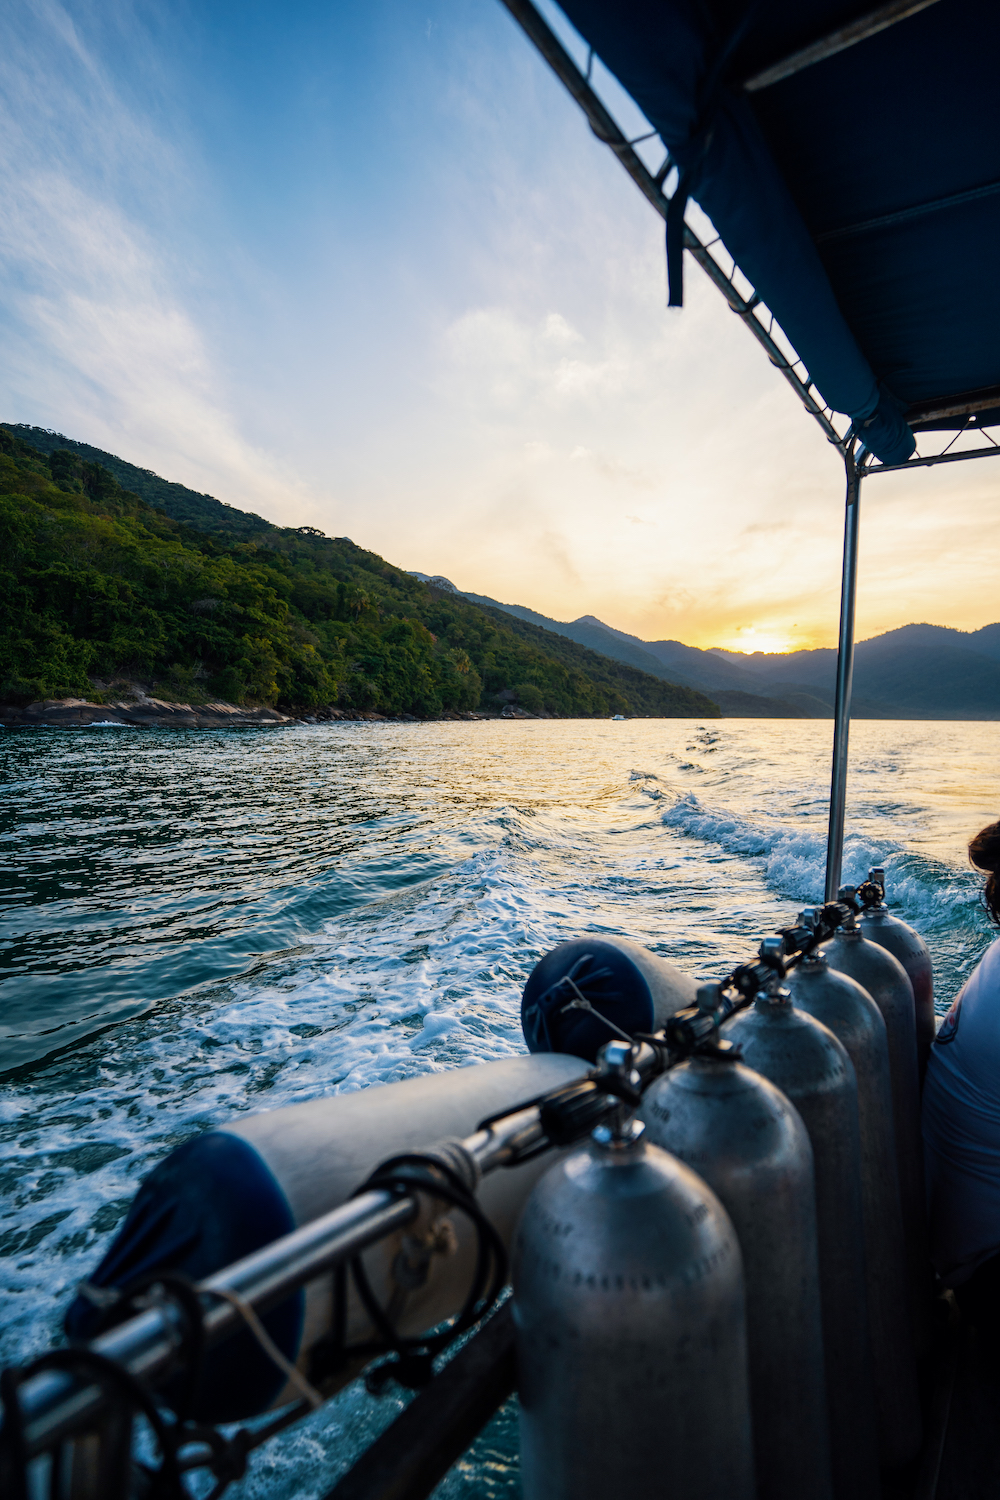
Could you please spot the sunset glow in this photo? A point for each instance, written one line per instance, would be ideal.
(207, 277)
(749, 638)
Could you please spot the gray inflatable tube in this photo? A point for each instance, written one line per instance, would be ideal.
(222, 1195)
(321, 1151)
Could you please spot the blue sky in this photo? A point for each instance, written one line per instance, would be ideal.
(363, 266)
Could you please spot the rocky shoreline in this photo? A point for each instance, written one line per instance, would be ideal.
(156, 713)
(68, 713)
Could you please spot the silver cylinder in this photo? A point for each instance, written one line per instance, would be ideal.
(744, 1138)
(807, 1063)
(856, 1021)
(885, 979)
(906, 944)
(631, 1339)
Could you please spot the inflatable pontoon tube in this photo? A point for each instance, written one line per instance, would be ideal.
(592, 990)
(220, 1196)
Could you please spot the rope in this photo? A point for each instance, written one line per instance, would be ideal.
(295, 1376)
(582, 1003)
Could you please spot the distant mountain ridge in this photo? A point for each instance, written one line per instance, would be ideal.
(918, 671)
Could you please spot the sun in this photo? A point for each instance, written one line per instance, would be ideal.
(749, 638)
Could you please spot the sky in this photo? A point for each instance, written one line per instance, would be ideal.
(364, 267)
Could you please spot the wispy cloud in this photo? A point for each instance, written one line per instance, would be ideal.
(99, 340)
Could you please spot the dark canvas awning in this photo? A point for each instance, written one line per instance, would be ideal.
(857, 188)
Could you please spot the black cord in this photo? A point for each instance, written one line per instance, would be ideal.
(428, 1173)
(187, 1301)
(227, 1457)
(414, 1355)
(108, 1372)
(13, 1456)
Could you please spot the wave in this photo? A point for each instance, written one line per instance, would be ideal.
(793, 860)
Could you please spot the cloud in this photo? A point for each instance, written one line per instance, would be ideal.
(614, 469)
(558, 331)
(499, 360)
(99, 339)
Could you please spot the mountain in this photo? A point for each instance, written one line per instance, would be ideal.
(201, 511)
(741, 695)
(112, 571)
(612, 675)
(736, 705)
(189, 598)
(915, 672)
(587, 632)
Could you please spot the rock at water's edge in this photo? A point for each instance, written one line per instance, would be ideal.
(149, 713)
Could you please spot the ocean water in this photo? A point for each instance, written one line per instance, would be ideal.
(197, 925)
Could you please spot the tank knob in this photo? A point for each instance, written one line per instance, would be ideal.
(811, 920)
(872, 893)
(709, 996)
(615, 1057)
(772, 953)
(617, 1076)
(616, 1073)
(848, 896)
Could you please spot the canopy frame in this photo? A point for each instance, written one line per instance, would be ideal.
(858, 463)
(609, 132)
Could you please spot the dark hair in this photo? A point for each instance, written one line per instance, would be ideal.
(984, 853)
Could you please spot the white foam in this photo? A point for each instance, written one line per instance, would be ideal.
(793, 859)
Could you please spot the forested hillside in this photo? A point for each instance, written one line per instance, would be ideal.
(97, 585)
(203, 512)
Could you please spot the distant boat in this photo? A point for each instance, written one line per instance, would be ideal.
(617, 718)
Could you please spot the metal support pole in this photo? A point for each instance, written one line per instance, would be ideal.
(845, 677)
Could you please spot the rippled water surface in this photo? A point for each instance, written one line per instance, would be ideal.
(199, 924)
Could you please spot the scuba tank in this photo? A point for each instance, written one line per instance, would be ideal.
(629, 1317)
(906, 944)
(855, 1020)
(850, 952)
(743, 1137)
(808, 1064)
(228, 1192)
(586, 992)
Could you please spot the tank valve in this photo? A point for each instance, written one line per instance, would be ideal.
(709, 997)
(872, 894)
(772, 954)
(848, 896)
(616, 1074)
(775, 993)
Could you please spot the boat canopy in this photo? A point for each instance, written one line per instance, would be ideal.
(849, 161)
